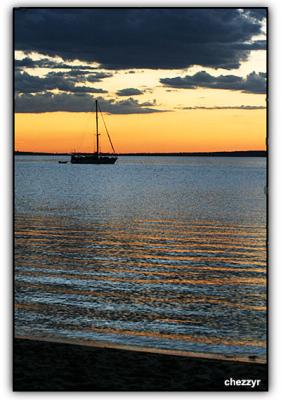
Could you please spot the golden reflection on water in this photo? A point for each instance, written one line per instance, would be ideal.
(202, 275)
(178, 280)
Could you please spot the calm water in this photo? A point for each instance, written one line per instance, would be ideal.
(162, 252)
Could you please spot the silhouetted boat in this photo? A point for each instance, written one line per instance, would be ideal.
(97, 157)
(63, 162)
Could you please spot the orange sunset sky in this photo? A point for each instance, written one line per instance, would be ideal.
(160, 114)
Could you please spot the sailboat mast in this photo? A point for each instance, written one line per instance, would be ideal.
(97, 127)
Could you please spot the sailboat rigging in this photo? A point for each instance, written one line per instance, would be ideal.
(97, 157)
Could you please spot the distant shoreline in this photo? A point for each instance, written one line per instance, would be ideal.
(248, 153)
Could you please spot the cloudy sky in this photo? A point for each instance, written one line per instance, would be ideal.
(168, 79)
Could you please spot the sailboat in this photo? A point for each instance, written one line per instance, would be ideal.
(97, 157)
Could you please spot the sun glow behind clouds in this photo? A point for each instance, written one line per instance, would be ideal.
(190, 130)
(194, 130)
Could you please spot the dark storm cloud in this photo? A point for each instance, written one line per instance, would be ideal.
(256, 45)
(98, 76)
(27, 62)
(253, 83)
(49, 102)
(83, 72)
(256, 13)
(83, 76)
(77, 102)
(128, 106)
(141, 38)
(25, 83)
(129, 92)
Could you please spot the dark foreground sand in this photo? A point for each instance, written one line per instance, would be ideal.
(50, 366)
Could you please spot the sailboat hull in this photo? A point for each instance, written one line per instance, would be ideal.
(92, 159)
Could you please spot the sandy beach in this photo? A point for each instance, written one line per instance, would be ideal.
(52, 366)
